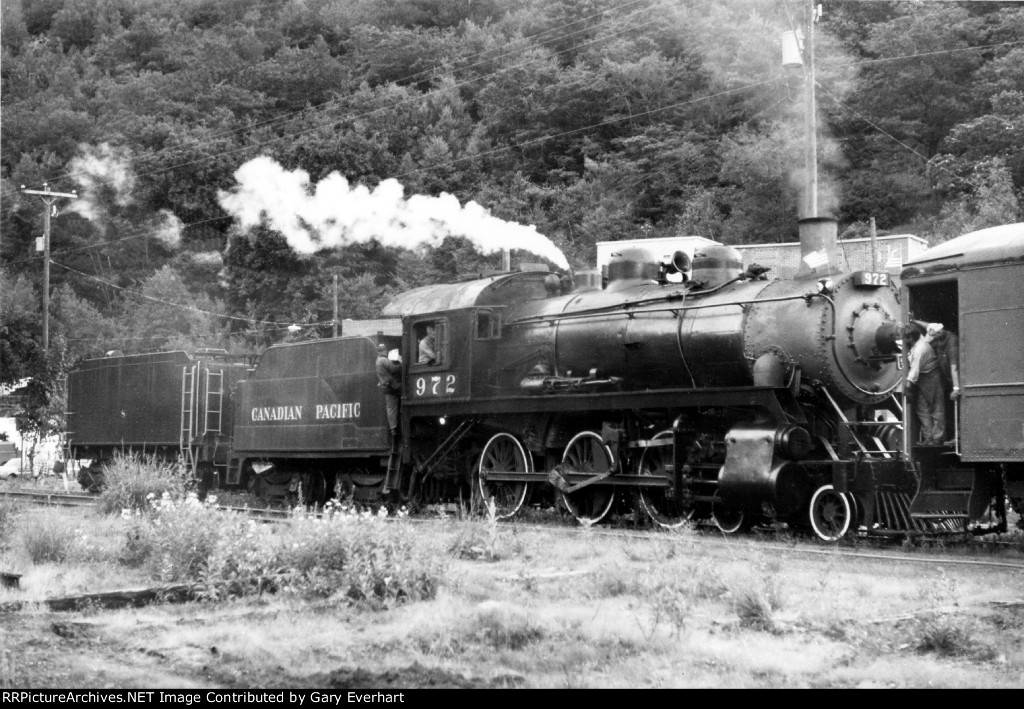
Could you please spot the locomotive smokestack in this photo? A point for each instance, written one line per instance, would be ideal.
(819, 237)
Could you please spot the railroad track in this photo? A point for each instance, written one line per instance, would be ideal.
(64, 499)
(952, 553)
(60, 499)
(873, 550)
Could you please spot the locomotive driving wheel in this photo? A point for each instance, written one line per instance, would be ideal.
(503, 453)
(662, 509)
(830, 514)
(730, 520)
(587, 453)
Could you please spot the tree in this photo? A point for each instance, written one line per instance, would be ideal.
(22, 358)
(164, 314)
(762, 186)
(989, 201)
(82, 329)
(21, 351)
(268, 283)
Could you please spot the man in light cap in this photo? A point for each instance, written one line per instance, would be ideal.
(389, 380)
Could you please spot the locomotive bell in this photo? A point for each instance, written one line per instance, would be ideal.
(717, 264)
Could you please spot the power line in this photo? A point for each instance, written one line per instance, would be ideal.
(474, 156)
(182, 306)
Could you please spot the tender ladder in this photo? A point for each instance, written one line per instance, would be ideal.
(188, 416)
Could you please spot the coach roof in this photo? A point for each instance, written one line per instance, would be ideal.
(1000, 244)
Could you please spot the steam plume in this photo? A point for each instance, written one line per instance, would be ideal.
(332, 213)
(103, 172)
(167, 228)
(107, 185)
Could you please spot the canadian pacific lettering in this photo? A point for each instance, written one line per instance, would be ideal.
(277, 413)
(338, 411)
(323, 412)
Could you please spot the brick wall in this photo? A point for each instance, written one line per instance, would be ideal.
(891, 253)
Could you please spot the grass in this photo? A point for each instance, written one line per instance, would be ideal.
(8, 512)
(44, 537)
(398, 601)
(130, 480)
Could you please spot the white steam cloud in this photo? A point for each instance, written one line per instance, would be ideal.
(332, 213)
(168, 229)
(101, 170)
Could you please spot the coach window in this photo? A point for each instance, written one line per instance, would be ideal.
(488, 325)
(431, 343)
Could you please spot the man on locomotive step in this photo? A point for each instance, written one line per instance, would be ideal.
(924, 382)
(389, 380)
(946, 345)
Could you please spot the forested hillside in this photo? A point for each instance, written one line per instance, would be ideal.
(231, 156)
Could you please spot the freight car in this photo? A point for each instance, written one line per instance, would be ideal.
(171, 405)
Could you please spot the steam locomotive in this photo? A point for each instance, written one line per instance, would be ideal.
(684, 386)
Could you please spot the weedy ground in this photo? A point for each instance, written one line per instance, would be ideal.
(357, 599)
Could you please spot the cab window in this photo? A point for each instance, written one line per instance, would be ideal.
(431, 343)
(488, 325)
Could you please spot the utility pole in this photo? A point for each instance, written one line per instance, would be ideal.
(812, 119)
(798, 53)
(873, 232)
(49, 199)
(335, 302)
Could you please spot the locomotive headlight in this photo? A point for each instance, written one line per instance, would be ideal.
(826, 286)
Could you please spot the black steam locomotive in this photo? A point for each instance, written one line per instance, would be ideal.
(690, 387)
